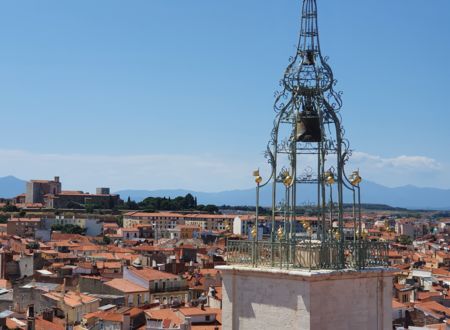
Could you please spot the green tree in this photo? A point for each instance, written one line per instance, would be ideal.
(9, 208)
(69, 229)
(106, 240)
(211, 208)
(405, 240)
(4, 218)
(189, 202)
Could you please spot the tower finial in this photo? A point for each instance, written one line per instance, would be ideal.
(308, 73)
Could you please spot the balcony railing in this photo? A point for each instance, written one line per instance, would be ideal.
(308, 254)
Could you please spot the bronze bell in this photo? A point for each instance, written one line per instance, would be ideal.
(308, 58)
(308, 127)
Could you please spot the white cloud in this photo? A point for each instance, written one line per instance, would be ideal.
(402, 170)
(203, 172)
(403, 162)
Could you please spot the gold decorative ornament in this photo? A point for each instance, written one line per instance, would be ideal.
(355, 178)
(329, 177)
(337, 236)
(280, 233)
(364, 234)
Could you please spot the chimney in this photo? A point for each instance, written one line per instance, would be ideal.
(63, 290)
(126, 321)
(47, 315)
(187, 323)
(2, 264)
(56, 179)
(212, 291)
(30, 317)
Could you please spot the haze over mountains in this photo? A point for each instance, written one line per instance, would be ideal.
(406, 196)
(11, 186)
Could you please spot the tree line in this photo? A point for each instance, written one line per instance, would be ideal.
(180, 203)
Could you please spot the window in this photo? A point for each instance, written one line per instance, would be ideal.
(207, 318)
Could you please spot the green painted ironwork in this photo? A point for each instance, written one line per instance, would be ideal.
(308, 254)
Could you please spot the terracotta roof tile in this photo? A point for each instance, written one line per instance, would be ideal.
(125, 286)
(150, 274)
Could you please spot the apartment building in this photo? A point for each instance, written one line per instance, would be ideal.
(164, 223)
(23, 227)
(164, 288)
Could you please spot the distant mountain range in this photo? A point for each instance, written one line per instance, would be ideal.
(11, 186)
(409, 196)
(406, 196)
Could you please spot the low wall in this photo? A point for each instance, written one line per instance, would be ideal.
(256, 298)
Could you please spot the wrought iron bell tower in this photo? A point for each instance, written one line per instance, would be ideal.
(308, 132)
(307, 147)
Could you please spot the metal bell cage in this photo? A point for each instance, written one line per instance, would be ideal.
(308, 124)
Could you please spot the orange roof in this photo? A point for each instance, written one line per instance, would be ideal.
(110, 225)
(125, 256)
(11, 324)
(171, 215)
(116, 249)
(433, 308)
(394, 254)
(126, 286)
(5, 284)
(24, 220)
(422, 295)
(443, 254)
(150, 274)
(56, 236)
(115, 315)
(196, 311)
(71, 298)
(85, 265)
(88, 248)
(441, 272)
(108, 264)
(104, 255)
(64, 243)
(108, 316)
(152, 248)
(71, 192)
(164, 314)
(41, 324)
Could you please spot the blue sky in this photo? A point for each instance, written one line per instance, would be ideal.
(178, 94)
